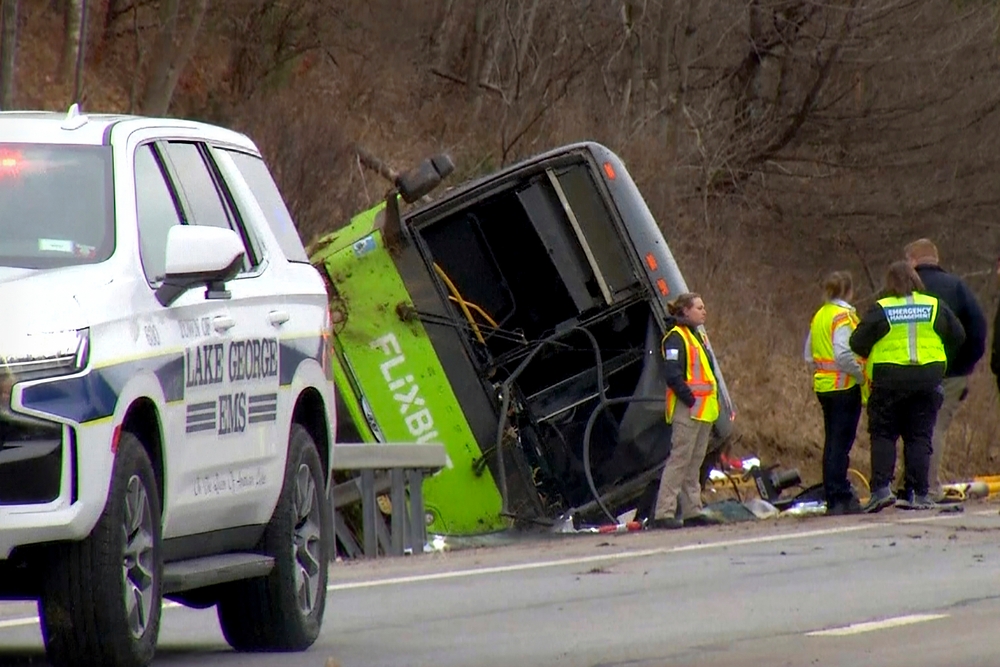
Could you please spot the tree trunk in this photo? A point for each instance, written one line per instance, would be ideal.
(491, 54)
(72, 23)
(632, 14)
(170, 55)
(747, 76)
(440, 42)
(140, 59)
(245, 65)
(678, 100)
(8, 49)
(665, 43)
(526, 30)
(113, 11)
(474, 64)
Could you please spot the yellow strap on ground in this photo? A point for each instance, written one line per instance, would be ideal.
(863, 488)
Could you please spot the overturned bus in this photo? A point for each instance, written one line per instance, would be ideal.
(516, 319)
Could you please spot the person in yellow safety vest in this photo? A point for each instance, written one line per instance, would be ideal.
(692, 406)
(838, 376)
(904, 336)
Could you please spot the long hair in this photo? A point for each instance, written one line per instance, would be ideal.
(682, 303)
(901, 280)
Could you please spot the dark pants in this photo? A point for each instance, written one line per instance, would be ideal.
(908, 413)
(841, 412)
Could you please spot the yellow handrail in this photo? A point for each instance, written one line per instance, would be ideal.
(461, 302)
(475, 307)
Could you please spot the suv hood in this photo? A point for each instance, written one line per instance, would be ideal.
(38, 301)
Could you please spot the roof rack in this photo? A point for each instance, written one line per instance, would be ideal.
(74, 119)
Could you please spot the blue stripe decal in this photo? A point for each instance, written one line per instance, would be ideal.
(171, 377)
(293, 352)
(95, 395)
(80, 399)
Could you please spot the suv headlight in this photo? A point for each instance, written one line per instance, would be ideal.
(32, 356)
(35, 356)
(40, 355)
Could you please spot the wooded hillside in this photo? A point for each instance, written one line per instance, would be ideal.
(775, 140)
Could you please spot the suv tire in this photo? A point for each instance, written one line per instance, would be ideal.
(284, 610)
(101, 599)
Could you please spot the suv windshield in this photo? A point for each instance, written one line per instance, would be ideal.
(55, 205)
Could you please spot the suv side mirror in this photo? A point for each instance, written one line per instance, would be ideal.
(426, 176)
(195, 255)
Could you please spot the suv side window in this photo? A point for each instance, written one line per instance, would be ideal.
(205, 203)
(156, 212)
(265, 190)
(205, 207)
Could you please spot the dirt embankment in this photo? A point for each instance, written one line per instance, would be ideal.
(774, 140)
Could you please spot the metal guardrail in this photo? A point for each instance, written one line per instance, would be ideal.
(396, 468)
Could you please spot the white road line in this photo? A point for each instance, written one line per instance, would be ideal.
(32, 620)
(583, 560)
(624, 555)
(871, 626)
(600, 558)
(942, 517)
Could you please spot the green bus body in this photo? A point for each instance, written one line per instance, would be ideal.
(414, 360)
(406, 392)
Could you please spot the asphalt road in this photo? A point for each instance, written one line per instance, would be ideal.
(898, 588)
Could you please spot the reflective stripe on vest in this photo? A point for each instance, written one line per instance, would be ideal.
(700, 379)
(911, 340)
(826, 321)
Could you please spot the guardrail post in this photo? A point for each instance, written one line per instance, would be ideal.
(407, 465)
(398, 500)
(369, 512)
(418, 524)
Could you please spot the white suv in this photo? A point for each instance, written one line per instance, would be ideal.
(167, 408)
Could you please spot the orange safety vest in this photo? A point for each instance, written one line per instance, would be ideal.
(700, 379)
(826, 376)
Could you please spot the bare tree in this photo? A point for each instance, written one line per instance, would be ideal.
(439, 41)
(569, 39)
(477, 45)
(664, 48)
(8, 49)
(173, 49)
(633, 72)
(269, 36)
(73, 29)
(140, 59)
(113, 11)
(527, 28)
(673, 95)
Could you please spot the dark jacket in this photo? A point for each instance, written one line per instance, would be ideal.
(674, 354)
(874, 326)
(953, 291)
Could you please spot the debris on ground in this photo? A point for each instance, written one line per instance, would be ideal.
(761, 508)
(743, 490)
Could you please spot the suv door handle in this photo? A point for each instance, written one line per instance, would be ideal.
(223, 323)
(278, 317)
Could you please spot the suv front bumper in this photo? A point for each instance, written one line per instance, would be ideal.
(52, 490)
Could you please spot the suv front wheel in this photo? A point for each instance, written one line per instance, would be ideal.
(101, 599)
(284, 610)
